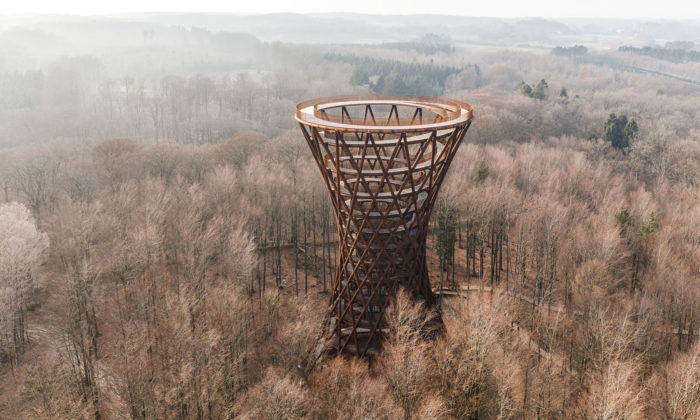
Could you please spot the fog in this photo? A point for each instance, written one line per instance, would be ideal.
(167, 245)
(71, 75)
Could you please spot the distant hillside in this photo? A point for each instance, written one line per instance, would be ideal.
(331, 28)
(675, 55)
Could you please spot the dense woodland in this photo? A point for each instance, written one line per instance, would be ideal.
(167, 244)
(677, 55)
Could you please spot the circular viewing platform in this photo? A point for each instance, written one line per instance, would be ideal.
(383, 113)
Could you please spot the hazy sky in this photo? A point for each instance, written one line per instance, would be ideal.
(669, 9)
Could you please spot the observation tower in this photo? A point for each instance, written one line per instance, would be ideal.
(383, 159)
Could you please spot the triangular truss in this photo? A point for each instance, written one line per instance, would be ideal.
(383, 184)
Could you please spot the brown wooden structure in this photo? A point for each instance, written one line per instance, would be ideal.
(383, 159)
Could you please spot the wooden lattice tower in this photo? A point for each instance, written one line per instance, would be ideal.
(383, 159)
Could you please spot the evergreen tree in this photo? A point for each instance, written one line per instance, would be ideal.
(540, 91)
(482, 172)
(631, 129)
(619, 131)
(623, 219)
(525, 89)
(649, 226)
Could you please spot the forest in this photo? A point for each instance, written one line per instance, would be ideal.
(167, 244)
(677, 55)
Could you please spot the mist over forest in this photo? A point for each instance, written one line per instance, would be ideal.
(167, 244)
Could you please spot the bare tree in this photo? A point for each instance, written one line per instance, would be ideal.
(674, 391)
(22, 249)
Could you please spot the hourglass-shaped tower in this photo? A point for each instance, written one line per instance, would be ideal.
(383, 159)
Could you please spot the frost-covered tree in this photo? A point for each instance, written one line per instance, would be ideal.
(22, 247)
